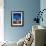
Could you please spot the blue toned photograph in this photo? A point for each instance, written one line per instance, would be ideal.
(17, 18)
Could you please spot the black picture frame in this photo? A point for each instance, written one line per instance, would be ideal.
(17, 18)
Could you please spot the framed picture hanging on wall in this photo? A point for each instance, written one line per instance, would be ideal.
(17, 18)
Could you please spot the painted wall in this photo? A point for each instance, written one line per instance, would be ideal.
(43, 6)
(30, 7)
(1, 21)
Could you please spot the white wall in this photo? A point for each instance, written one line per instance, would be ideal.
(1, 21)
(43, 6)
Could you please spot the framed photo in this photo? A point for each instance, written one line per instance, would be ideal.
(17, 18)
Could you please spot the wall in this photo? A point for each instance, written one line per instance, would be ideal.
(30, 7)
(43, 6)
(1, 21)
